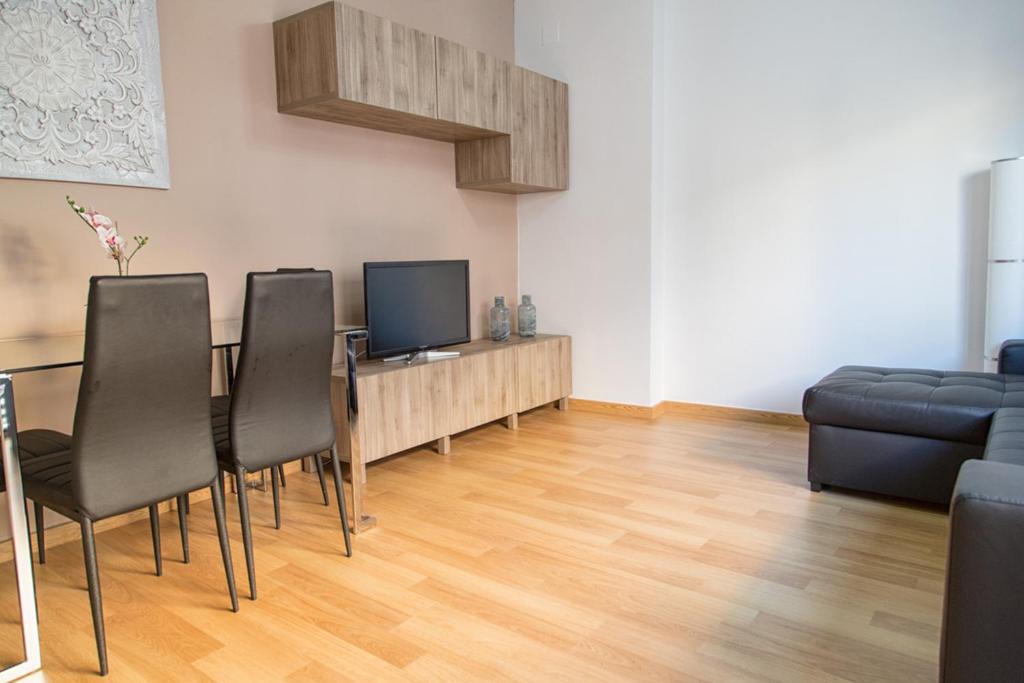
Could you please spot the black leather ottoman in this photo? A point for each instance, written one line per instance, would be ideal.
(901, 432)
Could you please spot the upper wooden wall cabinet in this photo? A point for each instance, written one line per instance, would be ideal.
(509, 125)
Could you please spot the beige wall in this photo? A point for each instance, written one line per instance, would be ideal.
(253, 189)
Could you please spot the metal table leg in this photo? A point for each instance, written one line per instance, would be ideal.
(361, 521)
(229, 367)
(19, 536)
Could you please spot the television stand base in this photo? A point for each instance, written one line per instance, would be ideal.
(410, 358)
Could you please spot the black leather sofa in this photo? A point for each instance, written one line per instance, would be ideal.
(955, 437)
(903, 432)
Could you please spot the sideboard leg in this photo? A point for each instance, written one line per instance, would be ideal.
(512, 421)
(444, 445)
(563, 403)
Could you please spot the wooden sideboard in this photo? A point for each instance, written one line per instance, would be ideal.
(404, 406)
(510, 125)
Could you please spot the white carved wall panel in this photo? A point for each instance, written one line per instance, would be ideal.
(81, 97)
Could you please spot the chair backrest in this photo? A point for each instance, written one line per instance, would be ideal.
(142, 429)
(281, 399)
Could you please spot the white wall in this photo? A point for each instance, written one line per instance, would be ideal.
(826, 188)
(585, 254)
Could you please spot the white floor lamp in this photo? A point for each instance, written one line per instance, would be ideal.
(1005, 315)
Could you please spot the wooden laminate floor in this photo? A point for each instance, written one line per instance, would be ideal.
(583, 547)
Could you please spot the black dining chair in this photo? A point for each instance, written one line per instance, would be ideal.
(33, 443)
(142, 432)
(39, 442)
(279, 409)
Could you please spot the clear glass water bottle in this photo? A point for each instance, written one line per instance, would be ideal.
(527, 317)
(501, 320)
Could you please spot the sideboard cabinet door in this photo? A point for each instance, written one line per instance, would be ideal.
(400, 410)
(483, 388)
(544, 372)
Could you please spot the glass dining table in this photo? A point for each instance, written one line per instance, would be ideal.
(39, 354)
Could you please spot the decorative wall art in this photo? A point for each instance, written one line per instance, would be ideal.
(81, 97)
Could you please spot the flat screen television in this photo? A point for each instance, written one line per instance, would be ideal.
(413, 306)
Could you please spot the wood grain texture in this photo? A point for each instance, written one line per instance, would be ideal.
(403, 406)
(379, 118)
(582, 547)
(484, 163)
(341, 64)
(510, 125)
(305, 56)
(535, 157)
(610, 408)
(544, 372)
(384, 64)
(473, 88)
(729, 413)
(689, 409)
(483, 388)
(540, 131)
(399, 410)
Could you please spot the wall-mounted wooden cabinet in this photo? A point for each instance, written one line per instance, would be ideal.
(510, 125)
(473, 88)
(535, 157)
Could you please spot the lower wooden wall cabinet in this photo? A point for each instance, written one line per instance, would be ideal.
(403, 406)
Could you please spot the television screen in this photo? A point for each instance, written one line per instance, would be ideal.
(415, 305)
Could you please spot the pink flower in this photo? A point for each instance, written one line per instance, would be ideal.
(111, 241)
(106, 232)
(97, 220)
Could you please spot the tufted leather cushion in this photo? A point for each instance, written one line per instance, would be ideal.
(953, 406)
(1006, 437)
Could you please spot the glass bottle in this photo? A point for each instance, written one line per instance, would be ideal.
(501, 320)
(527, 317)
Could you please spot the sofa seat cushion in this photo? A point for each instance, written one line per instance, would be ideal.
(1006, 437)
(953, 406)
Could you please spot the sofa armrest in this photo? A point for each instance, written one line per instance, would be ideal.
(1011, 357)
(983, 621)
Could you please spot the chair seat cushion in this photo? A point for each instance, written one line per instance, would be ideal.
(952, 406)
(34, 442)
(46, 466)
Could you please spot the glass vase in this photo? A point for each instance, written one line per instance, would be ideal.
(501, 320)
(527, 317)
